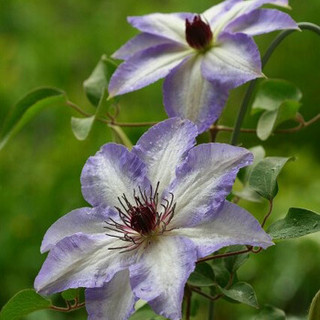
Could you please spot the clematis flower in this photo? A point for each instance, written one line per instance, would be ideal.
(155, 211)
(201, 56)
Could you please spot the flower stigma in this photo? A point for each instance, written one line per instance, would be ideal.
(142, 221)
(198, 33)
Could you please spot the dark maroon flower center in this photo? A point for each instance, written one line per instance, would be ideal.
(141, 220)
(198, 33)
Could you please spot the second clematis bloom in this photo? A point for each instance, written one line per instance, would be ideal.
(155, 211)
(201, 56)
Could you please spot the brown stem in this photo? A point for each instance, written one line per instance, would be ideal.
(188, 296)
(223, 255)
(268, 214)
(212, 298)
(69, 307)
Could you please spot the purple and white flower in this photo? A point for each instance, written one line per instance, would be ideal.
(155, 211)
(201, 56)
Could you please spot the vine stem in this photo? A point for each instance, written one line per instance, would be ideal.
(268, 214)
(69, 308)
(246, 100)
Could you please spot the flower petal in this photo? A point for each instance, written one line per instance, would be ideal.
(261, 21)
(110, 173)
(81, 260)
(85, 220)
(189, 95)
(140, 42)
(232, 62)
(113, 301)
(233, 9)
(204, 180)
(170, 25)
(231, 225)
(146, 67)
(163, 147)
(162, 272)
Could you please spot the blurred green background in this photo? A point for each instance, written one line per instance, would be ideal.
(58, 43)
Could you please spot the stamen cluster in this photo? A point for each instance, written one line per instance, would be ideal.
(198, 33)
(141, 221)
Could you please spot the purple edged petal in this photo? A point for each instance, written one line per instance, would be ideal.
(261, 21)
(146, 67)
(85, 220)
(110, 173)
(163, 147)
(233, 61)
(162, 272)
(232, 10)
(81, 260)
(204, 181)
(170, 25)
(230, 226)
(187, 94)
(138, 43)
(113, 301)
(218, 10)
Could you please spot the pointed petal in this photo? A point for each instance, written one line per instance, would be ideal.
(232, 62)
(110, 173)
(113, 301)
(81, 261)
(261, 21)
(163, 147)
(230, 226)
(138, 43)
(146, 67)
(85, 220)
(233, 9)
(161, 274)
(171, 25)
(204, 181)
(187, 94)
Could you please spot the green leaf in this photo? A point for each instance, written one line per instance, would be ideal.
(222, 275)
(280, 100)
(27, 108)
(247, 193)
(23, 303)
(233, 263)
(81, 127)
(270, 119)
(119, 136)
(70, 294)
(145, 313)
(314, 312)
(97, 82)
(270, 312)
(273, 92)
(263, 178)
(242, 292)
(297, 223)
(202, 276)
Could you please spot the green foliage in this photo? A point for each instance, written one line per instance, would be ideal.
(247, 193)
(222, 275)
(81, 127)
(23, 303)
(270, 312)
(314, 312)
(297, 223)
(233, 263)
(145, 313)
(280, 101)
(97, 82)
(263, 178)
(202, 276)
(119, 136)
(70, 294)
(27, 108)
(241, 292)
